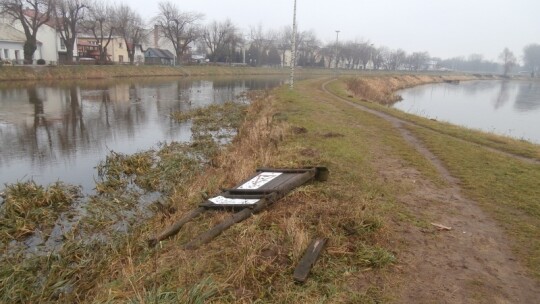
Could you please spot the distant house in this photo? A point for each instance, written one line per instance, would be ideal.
(138, 55)
(88, 48)
(51, 47)
(12, 44)
(54, 47)
(158, 56)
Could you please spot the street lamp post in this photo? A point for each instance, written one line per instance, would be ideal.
(293, 48)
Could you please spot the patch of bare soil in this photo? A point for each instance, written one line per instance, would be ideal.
(471, 263)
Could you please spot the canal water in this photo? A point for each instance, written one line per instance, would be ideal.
(63, 130)
(510, 108)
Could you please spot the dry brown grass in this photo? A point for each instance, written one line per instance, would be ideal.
(382, 89)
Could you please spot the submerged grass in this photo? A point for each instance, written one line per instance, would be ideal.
(29, 207)
(109, 231)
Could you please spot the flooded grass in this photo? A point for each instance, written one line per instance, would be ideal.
(254, 260)
(130, 190)
(28, 208)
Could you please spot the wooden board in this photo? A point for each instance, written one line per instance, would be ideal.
(308, 260)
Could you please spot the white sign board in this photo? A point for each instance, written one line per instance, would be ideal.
(220, 200)
(260, 180)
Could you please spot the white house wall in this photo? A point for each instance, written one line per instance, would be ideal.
(11, 48)
(50, 43)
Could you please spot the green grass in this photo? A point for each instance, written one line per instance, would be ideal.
(253, 261)
(506, 187)
(505, 144)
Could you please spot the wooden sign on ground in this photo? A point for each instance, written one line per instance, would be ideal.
(251, 196)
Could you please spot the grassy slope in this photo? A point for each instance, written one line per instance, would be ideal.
(254, 260)
(506, 187)
(100, 72)
(506, 144)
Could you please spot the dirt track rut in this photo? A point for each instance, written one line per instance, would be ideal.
(472, 263)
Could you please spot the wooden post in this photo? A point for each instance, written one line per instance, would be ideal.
(175, 227)
(209, 235)
(308, 260)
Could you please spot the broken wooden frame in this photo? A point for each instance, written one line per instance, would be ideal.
(252, 196)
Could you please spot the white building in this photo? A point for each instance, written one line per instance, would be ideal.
(12, 43)
(50, 47)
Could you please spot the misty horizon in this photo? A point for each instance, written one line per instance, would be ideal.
(445, 30)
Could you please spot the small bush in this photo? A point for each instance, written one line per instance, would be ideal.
(41, 62)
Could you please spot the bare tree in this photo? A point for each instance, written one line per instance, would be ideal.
(365, 53)
(261, 41)
(180, 28)
(32, 14)
(218, 37)
(100, 23)
(531, 57)
(379, 57)
(68, 15)
(307, 48)
(130, 25)
(417, 60)
(508, 59)
(396, 59)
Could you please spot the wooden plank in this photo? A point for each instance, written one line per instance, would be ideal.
(308, 260)
(284, 170)
(175, 228)
(218, 229)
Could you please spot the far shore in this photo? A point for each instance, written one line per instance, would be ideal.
(67, 72)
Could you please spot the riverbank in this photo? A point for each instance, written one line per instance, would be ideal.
(376, 209)
(53, 73)
(16, 73)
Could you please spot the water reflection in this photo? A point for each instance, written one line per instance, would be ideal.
(51, 132)
(509, 108)
(504, 95)
(528, 97)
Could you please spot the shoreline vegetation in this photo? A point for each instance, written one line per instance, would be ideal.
(355, 208)
(82, 72)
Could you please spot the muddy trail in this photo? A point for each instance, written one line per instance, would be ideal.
(471, 263)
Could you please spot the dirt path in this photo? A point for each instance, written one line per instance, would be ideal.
(472, 263)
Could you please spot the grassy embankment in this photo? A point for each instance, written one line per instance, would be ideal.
(10, 73)
(506, 187)
(49, 73)
(253, 260)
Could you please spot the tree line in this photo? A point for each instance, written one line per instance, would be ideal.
(223, 41)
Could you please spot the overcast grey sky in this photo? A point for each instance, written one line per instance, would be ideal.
(444, 28)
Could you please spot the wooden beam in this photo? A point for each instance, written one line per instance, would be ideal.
(209, 235)
(308, 260)
(175, 228)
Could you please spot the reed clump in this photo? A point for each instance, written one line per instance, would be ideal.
(383, 89)
(29, 207)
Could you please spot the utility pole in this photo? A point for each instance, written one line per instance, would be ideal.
(293, 49)
(337, 41)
